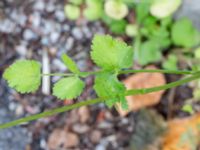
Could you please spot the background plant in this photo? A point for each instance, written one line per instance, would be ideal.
(148, 23)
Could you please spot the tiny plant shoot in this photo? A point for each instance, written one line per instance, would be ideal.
(112, 56)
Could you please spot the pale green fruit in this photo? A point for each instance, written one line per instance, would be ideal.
(116, 10)
(164, 8)
(131, 30)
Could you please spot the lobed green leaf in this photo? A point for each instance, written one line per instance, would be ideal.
(107, 85)
(111, 54)
(24, 76)
(184, 34)
(70, 64)
(68, 88)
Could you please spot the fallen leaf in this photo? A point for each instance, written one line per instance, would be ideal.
(143, 80)
(182, 134)
(61, 138)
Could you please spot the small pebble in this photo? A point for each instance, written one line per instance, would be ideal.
(45, 40)
(59, 65)
(19, 110)
(29, 35)
(47, 27)
(60, 16)
(65, 27)
(54, 36)
(77, 33)
(87, 32)
(95, 136)
(50, 7)
(69, 43)
(39, 5)
(80, 128)
(105, 125)
(21, 50)
(100, 147)
(7, 26)
(35, 19)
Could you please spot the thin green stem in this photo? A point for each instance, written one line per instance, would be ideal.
(163, 87)
(97, 100)
(157, 71)
(50, 113)
(85, 74)
(58, 74)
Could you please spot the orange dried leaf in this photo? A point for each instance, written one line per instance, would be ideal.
(143, 80)
(183, 134)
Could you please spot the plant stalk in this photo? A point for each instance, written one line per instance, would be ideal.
(97, 100)
(85, 74)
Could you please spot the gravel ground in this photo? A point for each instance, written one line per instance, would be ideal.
(38, 29)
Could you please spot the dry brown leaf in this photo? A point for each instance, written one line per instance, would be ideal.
(143, 80)
(183, 134)
(61, 138)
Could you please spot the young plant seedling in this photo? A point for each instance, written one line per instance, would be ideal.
(112, 56)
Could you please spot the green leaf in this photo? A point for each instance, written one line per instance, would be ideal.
(116, 9)
(142, 10)
(184, 34)
(71, 65)
(167, 22)
(107, 85)
(72, 12)
(94, 10)
(162, 37)
(149, 26)
(164, 8)
(115, 26)
(68, 88)
(149, 52)
(24, 76)
(188, 108)
(171, 63)
(118, 26)
(110, 53)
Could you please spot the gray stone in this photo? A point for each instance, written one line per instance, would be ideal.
(39, 5)
(59, 64)
(45, 40)
(7, 26)
(100, 147)
(191, 9)
(50, 6)
(77, 33)
(69, 43)
(47, 26)
(19, 17)
(36, 19)
(60, 16)
(54, 36)
(87, 32)
(21, 50)
(29, 35)
(65, 27)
